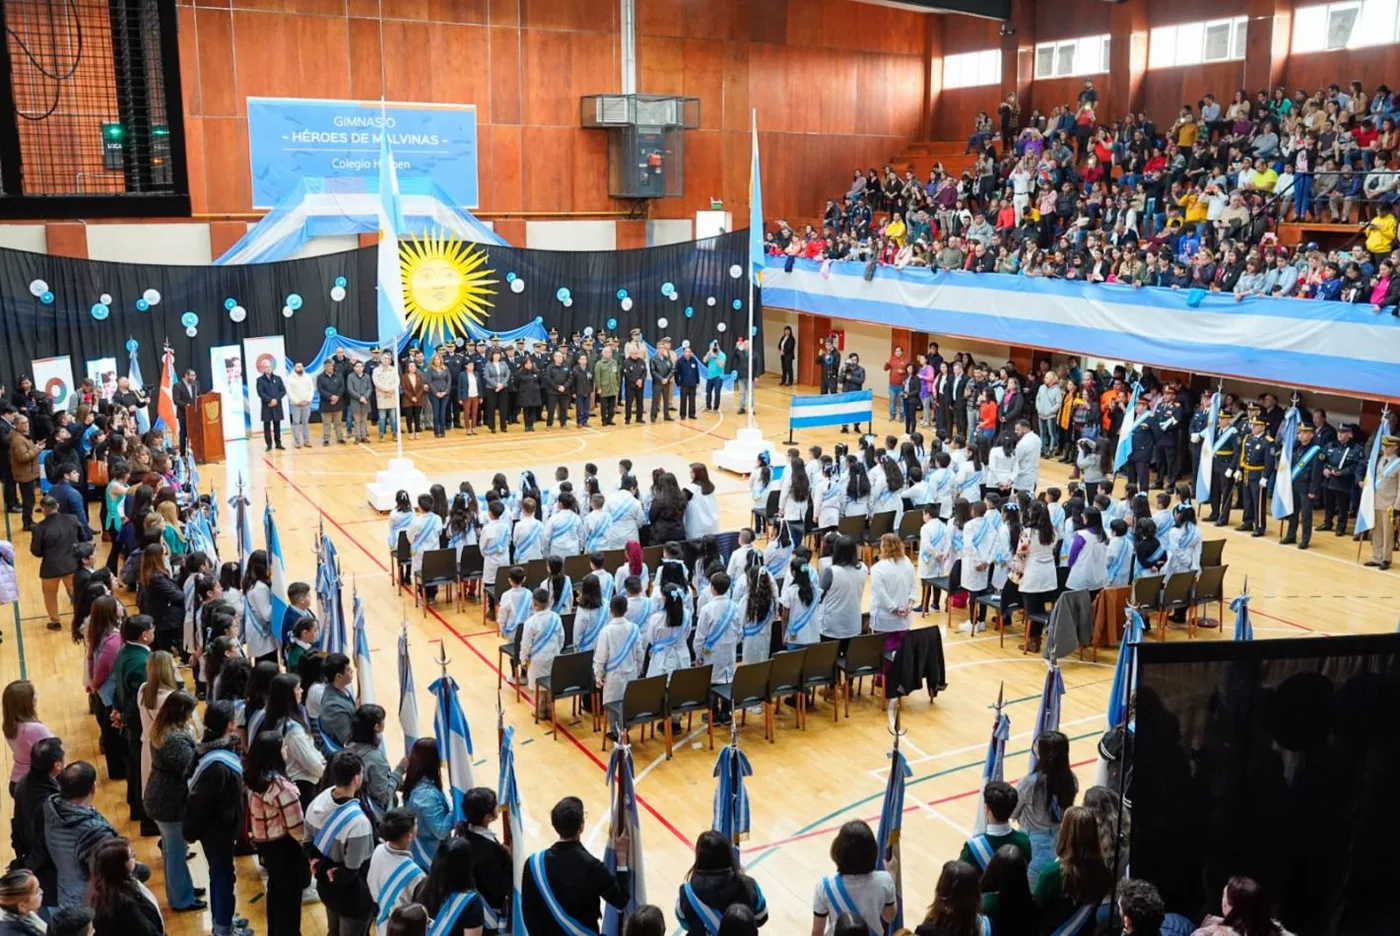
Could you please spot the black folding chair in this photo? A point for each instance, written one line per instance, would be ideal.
(785, 679)
(1210, 589)
(1212, 551)
(577, 568)
(688, 693)
(402, 560)
(470, 566)
(1176, 596)
(570, 677)
(438, 570)
(819, 669)
(864, 656)
(911, 524)
(643, 702)
(750, 687)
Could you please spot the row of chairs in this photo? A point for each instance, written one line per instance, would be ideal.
(658, 699)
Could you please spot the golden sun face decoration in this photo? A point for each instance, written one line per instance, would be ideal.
(446, 286)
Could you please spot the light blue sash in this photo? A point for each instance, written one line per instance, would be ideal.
(500, 546)
(797, 622)
(427, 537)
(1308, 456)
(589, 637)
(595, 538)
(1115, 564)
(546, 634)
(971, 481)
(668, 640)
(839, 900)
(980, 535)
(1224, 438)
(777, 561)
(832, 493)
(928, 554)
(709, 917)
(450, 912)
(754, 628)
(566, 595)
(255, 724)
(337, 823)
(568, 924)
(641, 610)
(398, 522)
(623, 652)
(1387, 471)
(1076, 922)
(216, 756)
(402, 876)
(326, 740)
(605, 588)
(568, 520)
(521, 614)
(1057, 516)
(981, 848)
(721, 627)
(528, 541)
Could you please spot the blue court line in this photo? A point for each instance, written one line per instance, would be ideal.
(19, 626)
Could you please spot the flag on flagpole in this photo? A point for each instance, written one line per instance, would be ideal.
(277, 570)
(1366, 513)
(731, 806)
(133, 376)
(334, 639)
(891, 825)
(192, 474)
(757, 257)
(242, 526)
(1206, 469)
(454, 741)
(364, 665)
(1047, 716)
(408, 696)
(389, 281)
(1125, 435)
(1244, 630)
(993, 765)
(1281, 505)
(508, 795)
(165, 401)
(1124, 671)
(213, 511)
(622, 785)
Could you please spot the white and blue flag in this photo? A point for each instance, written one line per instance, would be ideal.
(242, 527)
(454, 741)
(1206, 469)
(133, 374)
(731, 806)
(333, 637)
(1244, 630)
(389, 279)
(891, 826)
(277, 570)
(622, 785)
(508, 795)
(1124, 671)
(1047, 716)
(830, 409)
(1125, 435)
(1281, 504)
(364, 665)
(408, 695)
(1366, 512)
(994, 764)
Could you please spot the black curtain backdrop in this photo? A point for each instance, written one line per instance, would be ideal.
(699, 270)
(1276, 759)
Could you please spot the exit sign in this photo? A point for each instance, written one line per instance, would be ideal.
(113, 139)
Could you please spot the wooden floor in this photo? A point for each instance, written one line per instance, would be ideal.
(804, 785)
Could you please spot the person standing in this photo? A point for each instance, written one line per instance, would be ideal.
(129, 672)
(339, 843)
(360, 391)
(527, 392)
(1339, 479)
(275, 827)
(556, 391)
(829, 365)
(1307, 486)
(439, 388)
(330, 386)
(272, 392)
(852, 380)
(53, 543)
(663, 372)
(300, 389)
(1257, 468)
(496, 384)
(714, 361)
(1387, 484)
(386, 394)
(687, 380)
(214, 810)
(787, 353)
(24, 467)
(172, 746)
(743, 386)
(896, 367)
(580, 386)
(7, 477)
(563, 884)
(634, 379)
(185, 393)
(607, 379)
(469, 386)
(412, 391)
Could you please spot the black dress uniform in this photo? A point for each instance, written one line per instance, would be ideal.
(1167, 420)
(633, 369)
(1227, 462)
(1307, 486)
(578, 882)
(1345, 459)
(1139, 467)
(1257, 467)
(556, 393)
(456, 362)
(1197, 429)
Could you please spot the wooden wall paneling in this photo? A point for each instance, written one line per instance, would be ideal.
(661, 66)
(704, 177)
(735, 106)
(501, 174)
(1127, 58)
(273, 53)
(224, 234)
(841, 92)
(1370, 66)
(547, 174)
(67, 238)
(1267, 42)
(933, 76)
(588, 150)
(1070, 19)
(505, 75)
(226, 165)
(1171, 12)
(575, 15)
(596, 68)
(969, 34)
(366, 9)
(366, 76)
(631, 234)
(437, 63)
(501, 13)
(768, 21)
(724, 20)
(808, 340)
(512, 229)
(194, 159)
(475, 12)
(548, 61)
(218, 97)
(873, 94)
(189, 60)
(660, 18)
(702, 75)
(957, 110)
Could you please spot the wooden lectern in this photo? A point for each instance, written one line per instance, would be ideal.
(205, 421)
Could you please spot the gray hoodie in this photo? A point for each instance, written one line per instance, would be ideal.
(72, 832)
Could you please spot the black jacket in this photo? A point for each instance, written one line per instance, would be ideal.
(527, 388)
(491, 866)
(53, 541)
(1308, 479)
(165, 793)
(578, 881)
(214, 809)
(31, 850)
(555, 376)
(581, 382)
(270, 387)
(852, 378)
(133, 916)
(164, 601)
(183, 395)
(633, 370)
(330, 385)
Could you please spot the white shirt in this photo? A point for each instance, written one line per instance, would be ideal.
(300, 388)
(893, 588)
(1027, 463)
(871, 893)
(701, 514)
(627, 519)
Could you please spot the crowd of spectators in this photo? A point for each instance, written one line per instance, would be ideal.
(1192, 205)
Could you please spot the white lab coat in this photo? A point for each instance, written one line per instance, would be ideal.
(935, 549)
(617, 659)
(527, 540)
(588, 624)
(978, 542)
(667, 644)
(1039, 575)
(563, 534)
(1090, 569)
(893, 588)
(541, 641)
(512, 610)
(627, 517)
(1183, 549)
(495, 549)
(829, 493)
(1027, 473)
(804, 622)
(701, 514)
(757, 635)
(717, 637)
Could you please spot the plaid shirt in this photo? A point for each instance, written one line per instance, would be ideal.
(276, 812)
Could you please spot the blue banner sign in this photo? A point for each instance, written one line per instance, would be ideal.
(294, 138)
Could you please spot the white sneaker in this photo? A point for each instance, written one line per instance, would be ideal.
(755, 710)
(309, 895)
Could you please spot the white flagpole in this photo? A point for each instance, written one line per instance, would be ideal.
(749, 334)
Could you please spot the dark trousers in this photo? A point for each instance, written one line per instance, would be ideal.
(713, 386)
(26, 503)
(1168, 467)
(272, 432)
(184, 430)
(609, 407)
(1302, 510)
(632, 403)
(582, 409)
(788, 377)
(413, 416)
(219, 854)
(532, 413)
(556, 404)
(286, 872)
(1336, 506)
(133, 778)
(439, 414)
(113, 744)
(911, 414)
(494, 402)
(1222, 491)
(687, 404)
(1255, 515)
(1139, 471)
(660, 398)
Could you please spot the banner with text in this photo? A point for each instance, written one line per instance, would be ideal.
(294, 138)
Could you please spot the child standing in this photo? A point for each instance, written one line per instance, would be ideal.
(616, 661)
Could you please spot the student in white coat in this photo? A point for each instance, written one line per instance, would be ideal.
(796, 499)
(943, 485)
(527, 538)
(843, 591)
(739, 558)
(495, 547)
(702, 511)
(590, 612)
(1035, 551)
(978, 538)
(886, 485)
(617, 659)
(801, 600)
(1183, 542)
(717, 638)
(666, 632)
(1087, 556)
(563, 531)
(425, 531)
(633, 567)
(856, 502)
(512, 611)
(935, 557)
(760, 608)
(760, 482)
(1120, 554)
(894, 588)
(827, 495)
(541, 638)
(778, 552)
(624, 517)
(1000, 473)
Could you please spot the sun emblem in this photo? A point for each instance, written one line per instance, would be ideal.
(446, 286)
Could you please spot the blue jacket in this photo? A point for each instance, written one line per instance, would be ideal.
(687, 371)
(71, 502)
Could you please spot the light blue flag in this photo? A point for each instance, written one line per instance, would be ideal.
(1244, 630)
(389, 280)
(1281, 505)
(1206, 469)
(364, 665)
(1125, 435)
(622, 786)
(993, 765)
(242, 528)
(731, 806)
(408, 696)
(1047, 716)
(1366, 513)
(334, 638)
(757, 260)
(133, 374)
(891, 824)
(192, 473)
(213, 511)
(508, 795)
(1124, 670)
(277, 570)
(454, 741)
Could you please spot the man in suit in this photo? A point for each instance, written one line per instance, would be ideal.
(271, 391)
(563, 884)
(184, 394)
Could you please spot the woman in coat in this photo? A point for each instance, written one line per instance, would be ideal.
(172, 743)
(439, 383)
(122, 905)
(469, 387)
(161, 598)
(528, 393)
(412, 391)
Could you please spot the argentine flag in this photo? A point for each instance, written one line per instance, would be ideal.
(389, 282)
(994, 765)
(1206, 469)
(1282, 503)
(133, 374)
(1366, 513)
(891, 825)
(454, 741)
(277, 569)
(1244, 630)
(408, 695)
(1125, 434)
(1124, 671)
(731, 806)
(1047, 716)
(508, 795)
(364, 666)
(757, 260)
(622, 786)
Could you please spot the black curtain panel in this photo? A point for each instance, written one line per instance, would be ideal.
(706, 278)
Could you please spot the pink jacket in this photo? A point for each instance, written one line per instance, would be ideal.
(106, 658)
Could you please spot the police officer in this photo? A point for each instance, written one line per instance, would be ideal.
(829, 366)
(1339, 474)
(634, 379)
(1166, 423)
(1226, 463)
(1387, 491)
(1257, 466)
(1200, 418)
(556, 390)
(1307, 485)
(1144, 430)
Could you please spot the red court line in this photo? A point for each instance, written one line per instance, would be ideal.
(830, 830)
(587, 752)
(1275, 617)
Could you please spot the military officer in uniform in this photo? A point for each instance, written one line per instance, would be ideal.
(1339, 474)
(1200, 418)
(1166, 423)
(1226, 464)
(1387, 483)
(1256, 467)
(454, 360)
(1307, 485)
(1139, 467)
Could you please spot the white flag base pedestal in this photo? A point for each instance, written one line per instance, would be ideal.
(399, 476)
(740, 454)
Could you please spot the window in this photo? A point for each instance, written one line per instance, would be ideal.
(1193, 43)
(1085, 56)
(971, 69)
(1352, 24)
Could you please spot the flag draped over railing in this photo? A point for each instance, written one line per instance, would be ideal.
(1281, 504)
(731, 806)
(408, 694)
(1205, 470)
(277, 572)
(1047, 716)
(508, 795)
(994, 764)
(454, 740)
(364, 665)
(892, 824)
(1124, 670)
(624, 814)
